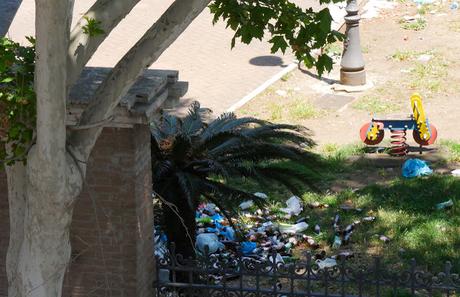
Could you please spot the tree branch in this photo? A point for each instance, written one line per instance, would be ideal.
(146, 51)
(82, 46)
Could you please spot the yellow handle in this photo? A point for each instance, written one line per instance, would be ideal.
(373, 132)
(419, 116)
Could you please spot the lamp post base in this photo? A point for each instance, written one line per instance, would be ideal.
(353, 78)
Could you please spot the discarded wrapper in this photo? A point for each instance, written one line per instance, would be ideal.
(445, 205)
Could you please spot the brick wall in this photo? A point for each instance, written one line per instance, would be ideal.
(111, 232)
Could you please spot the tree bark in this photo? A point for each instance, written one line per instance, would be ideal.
(146, 51)
(176, 222)
(53, 179)
(17, 183)
(45, 250)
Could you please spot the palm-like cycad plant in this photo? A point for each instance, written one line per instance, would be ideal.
(193, 158)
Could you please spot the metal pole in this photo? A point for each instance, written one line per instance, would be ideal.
(352, 71)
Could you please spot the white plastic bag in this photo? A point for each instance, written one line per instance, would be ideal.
(208, 239)
(294, 206)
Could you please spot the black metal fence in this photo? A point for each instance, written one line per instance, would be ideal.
(239, 276)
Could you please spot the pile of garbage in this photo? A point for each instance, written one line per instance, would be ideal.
(261, 234)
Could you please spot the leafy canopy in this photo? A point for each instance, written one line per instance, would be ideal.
(197, 156)
(289, 26)
(17, 99)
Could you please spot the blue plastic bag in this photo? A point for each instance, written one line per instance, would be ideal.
(415, 167)
(247, 247)
(228, 233)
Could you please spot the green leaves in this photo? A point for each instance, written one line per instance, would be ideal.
(279, 43)
(195, 157)
(290, 26)
(17, 99)
(92, 27)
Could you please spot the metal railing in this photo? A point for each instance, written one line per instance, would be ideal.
(239, 276)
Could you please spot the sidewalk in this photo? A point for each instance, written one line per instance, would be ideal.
(218, 76)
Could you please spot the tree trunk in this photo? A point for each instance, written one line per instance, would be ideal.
(180, 227)
(17, 182)
(36, 268)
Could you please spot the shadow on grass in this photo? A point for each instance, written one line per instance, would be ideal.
(405, 209)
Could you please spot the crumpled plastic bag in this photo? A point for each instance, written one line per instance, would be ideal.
(208, 239)
(294, 206)
(415, 167)
(247, 247)
(228, 233)
(246, 204)
(292, 229)
(326, 263)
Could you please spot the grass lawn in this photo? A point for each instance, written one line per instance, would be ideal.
(404, 208)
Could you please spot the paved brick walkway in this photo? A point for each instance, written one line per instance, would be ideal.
(218, 76)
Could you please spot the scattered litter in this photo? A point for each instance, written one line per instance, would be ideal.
(349, 206)
(411, 18)
(317, 204)
(423, 2)
(454, 5)
(456, 172)
(294, 206)
(261, 195)
(424, 58)
(373, 7)
(317, 229)
(161, 243)
(208, 239)
(445, 205)
(246, 204)
(326, 263)
(415, 167)
(248, 247)
(292, 229)
(368, 219)
(278, 259)
(384, 238)
(337, 242)
(336, 221)
(281, 93)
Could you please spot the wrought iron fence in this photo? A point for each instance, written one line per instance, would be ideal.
(239, 276)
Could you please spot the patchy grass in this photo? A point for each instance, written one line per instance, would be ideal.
(454, 26)
(409, 55)
(431, 76)
(286, 77)
(404, 211)
(452, 148)
(416, 25)
(275, 111)
(301, 110)
(425, 8)
(403, 55)
(374, 104)
(289, 110)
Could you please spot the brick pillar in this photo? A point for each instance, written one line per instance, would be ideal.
(112, 228)
(144, 211)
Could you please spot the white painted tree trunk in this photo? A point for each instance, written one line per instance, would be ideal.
(45, 247)
(41, 212)
(17, 185)
(42, 193)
